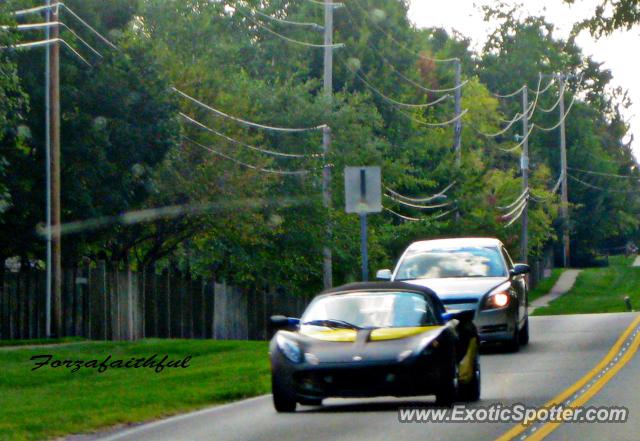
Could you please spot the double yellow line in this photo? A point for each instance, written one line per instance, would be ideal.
(549, 427)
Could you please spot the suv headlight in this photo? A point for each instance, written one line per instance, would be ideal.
(289, 348)
(498, 298)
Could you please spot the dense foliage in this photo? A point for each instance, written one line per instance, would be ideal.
(208, 204)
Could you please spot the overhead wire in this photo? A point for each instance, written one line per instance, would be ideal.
(517, 201)
(41, 43)
(288, 22)
(251, 166)
(521, 143)
(420, 200)
(399, 44)
(38, 26)
(413, 205)
(612, 175)
(518, 215)
(391, 100)
(244, 121)
(284, 37)
(249, 146)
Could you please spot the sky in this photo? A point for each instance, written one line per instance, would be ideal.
(618, 52)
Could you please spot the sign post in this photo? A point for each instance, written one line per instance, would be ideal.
(363, 195)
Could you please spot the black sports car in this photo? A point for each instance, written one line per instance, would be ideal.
(374, 339)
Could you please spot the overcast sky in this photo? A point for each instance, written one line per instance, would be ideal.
(619, 52)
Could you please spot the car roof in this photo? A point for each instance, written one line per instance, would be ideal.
(455, 242)
(378, 286)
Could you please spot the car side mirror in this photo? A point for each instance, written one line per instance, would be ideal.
(383, 274)
(519, 269)
(465, 315)
(284, 322)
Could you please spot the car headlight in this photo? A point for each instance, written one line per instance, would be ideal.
(289, 348)
(497, 300)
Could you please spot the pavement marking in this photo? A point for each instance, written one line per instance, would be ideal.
(587, 386)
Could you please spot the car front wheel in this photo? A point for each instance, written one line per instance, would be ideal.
(284, 399)
(448, 390)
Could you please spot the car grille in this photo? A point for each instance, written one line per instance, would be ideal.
(493, 328)
(460, 301)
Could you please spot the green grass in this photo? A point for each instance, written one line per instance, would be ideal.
(600, 290)
(545, 285)
(49, 403)
(39, 341)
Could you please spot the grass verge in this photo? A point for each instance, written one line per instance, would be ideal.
(49, 402)
(545, 285)
(600, 290)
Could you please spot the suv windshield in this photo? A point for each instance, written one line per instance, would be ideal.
(452, 263)
(370, 310)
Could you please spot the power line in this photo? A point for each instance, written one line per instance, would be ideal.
(243, 121)
(39, 26)
(87, 25)
(391, 100)
(401, 216)
(319, 3)
(420, 207)
(399, 44)
(419, 200)
(440, 124)
(244, 164)
(509, 95)
(235, 141)
(518, 215)
(549, 129)
(612, 175)
(521, 143)
(41, 43)
(524, 194)
(288, 22)
(510, 124)
(284, 37)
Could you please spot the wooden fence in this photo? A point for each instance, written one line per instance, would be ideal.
(108, 304)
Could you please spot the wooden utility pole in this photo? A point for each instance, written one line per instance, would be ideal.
(54, 127)
(327, 258)
(458, 109)
(566, 252)
(524, 165)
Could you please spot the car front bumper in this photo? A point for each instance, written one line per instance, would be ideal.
(496, 325)
(419, 376)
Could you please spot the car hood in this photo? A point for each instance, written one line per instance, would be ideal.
(455, 288)
(381, 345)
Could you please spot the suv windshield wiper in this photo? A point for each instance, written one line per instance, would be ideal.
(331, 323)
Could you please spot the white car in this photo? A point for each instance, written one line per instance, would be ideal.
(473, 274)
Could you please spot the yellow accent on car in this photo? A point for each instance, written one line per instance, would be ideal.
(466, 365)
(380, 334)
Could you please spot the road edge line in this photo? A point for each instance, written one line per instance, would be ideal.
(519, 428)
(549, 427)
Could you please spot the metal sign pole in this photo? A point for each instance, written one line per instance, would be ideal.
(363, 247)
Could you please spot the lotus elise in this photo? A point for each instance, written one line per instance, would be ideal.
(374, 339)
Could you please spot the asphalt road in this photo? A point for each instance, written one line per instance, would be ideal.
(562, 350)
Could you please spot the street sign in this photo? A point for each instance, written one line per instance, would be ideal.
(362, 195)
(363, 190)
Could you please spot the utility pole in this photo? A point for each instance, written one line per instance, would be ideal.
(47, 98)
(524, 165)
(327, 258)
(458, 106)
(563, 165)
(457, 142)
(54, 128)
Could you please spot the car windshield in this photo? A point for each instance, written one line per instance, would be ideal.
(370, 310)
(452, 263)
